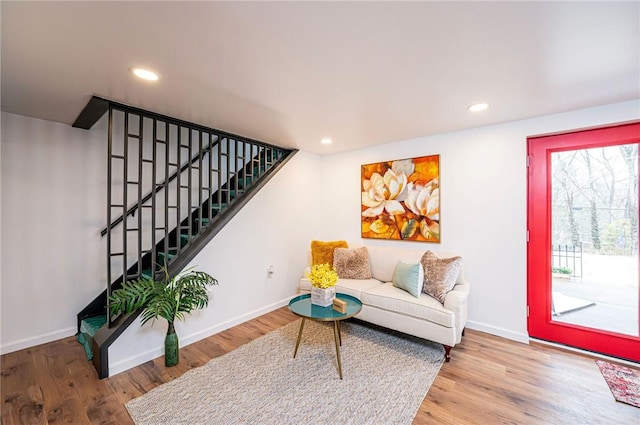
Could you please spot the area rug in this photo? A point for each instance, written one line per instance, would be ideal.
(623, 382)
(386, 375)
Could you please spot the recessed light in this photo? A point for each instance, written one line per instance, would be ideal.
(477, 107)
(326, 141)
(145, 74)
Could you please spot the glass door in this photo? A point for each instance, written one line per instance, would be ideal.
(583, 240)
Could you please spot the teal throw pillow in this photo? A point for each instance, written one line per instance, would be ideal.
(409, 277)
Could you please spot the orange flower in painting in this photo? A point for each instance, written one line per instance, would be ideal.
(369, 169)
(426, 169)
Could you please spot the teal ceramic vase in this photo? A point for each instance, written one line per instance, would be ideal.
(171, 347)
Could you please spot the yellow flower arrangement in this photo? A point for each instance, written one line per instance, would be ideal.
(322, 276)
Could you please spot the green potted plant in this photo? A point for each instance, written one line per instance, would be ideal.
(170, 299)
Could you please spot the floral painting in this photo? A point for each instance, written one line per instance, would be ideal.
(401, 199)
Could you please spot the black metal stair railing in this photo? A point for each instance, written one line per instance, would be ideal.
(171, 186)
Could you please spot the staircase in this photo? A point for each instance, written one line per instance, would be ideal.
(172, 186)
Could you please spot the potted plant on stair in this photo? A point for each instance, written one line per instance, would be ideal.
(170, 299)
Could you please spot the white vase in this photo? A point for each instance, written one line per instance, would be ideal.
(323, 296)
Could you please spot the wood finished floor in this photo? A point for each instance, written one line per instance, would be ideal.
(489, 380)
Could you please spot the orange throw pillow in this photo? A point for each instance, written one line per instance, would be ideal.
(322, 252)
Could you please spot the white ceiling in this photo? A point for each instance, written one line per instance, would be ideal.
(291, 73)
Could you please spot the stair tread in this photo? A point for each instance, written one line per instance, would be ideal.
(88, 328)
(85, 341)
(91, 325)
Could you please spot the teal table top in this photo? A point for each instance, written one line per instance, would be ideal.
(301, 306)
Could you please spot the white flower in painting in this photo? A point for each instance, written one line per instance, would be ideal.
(405, 166)
(384, 193)
(425, 200)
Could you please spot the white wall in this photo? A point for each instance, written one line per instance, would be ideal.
(53, 206)
(483, 205)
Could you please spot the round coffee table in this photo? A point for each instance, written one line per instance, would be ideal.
(301, 306)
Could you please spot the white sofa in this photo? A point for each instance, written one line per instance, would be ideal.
(393, 308)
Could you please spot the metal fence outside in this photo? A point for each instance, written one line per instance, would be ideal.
(567, 256)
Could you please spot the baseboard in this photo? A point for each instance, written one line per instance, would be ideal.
(37, 340)
(497, 331)
(233, 322)
(139, 358)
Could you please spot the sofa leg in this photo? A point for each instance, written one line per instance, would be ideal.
(447, 352)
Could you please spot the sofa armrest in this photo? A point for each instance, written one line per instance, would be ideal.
(457, 296)
(456, 300)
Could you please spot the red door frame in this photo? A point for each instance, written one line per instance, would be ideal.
(539, 323)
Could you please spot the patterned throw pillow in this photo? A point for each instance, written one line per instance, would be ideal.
(322, 252)
(440, 274)
(352, 263)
